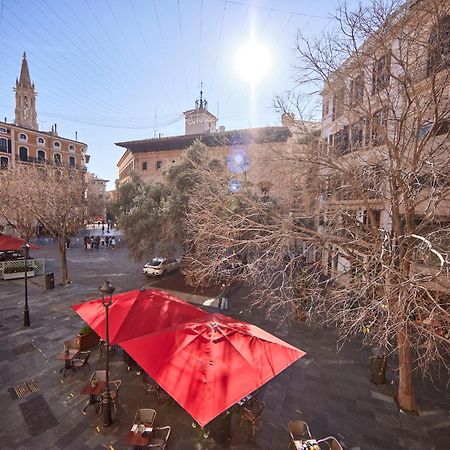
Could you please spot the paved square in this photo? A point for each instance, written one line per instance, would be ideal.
(329, 388)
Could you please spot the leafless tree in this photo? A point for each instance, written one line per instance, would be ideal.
(53, 199)
(371, 210)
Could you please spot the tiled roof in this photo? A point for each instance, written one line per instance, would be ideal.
(215, 139)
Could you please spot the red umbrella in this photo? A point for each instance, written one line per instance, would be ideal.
(11, 243)
(209, 364)
(136, 313)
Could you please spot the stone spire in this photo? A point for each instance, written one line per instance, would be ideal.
(24, 79)
(25, 98)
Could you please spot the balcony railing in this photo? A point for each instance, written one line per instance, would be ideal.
(48, 162)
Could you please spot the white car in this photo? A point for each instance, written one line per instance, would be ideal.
(159, 266)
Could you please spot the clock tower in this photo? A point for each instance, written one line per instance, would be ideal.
(25, 98)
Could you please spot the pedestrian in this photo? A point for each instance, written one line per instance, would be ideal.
(97, 242)
(85, 240)
(223, 298)
(113, 242)
(67, 242)
(103, 228)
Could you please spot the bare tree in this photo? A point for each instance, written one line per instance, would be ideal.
(373, 221)
(53, 199)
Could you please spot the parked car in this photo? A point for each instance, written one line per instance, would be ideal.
(159, 266)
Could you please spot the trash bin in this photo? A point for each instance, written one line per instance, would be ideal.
(49, 280)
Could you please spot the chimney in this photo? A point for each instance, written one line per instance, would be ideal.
(221, 129)
(56, 130)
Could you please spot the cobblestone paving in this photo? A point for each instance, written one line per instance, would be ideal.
(327, 388)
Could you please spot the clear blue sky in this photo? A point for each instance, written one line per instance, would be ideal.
(118, 70)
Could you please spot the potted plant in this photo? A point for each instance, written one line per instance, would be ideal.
(87, 338)
(11, 273)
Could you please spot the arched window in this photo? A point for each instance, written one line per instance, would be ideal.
(439, 47)
(57, 158)
(40, 140)
(56, 144)
(58, 174)
(72, 161)
(71, 148)
(4, 162)
(23, 154)
(23, 137)
(41, 156)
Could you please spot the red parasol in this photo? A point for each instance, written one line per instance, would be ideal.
(135, 313)
(11, 243)
(209, 364)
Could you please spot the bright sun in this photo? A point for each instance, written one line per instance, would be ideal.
(253, 62)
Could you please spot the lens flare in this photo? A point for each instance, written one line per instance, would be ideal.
(253, 62)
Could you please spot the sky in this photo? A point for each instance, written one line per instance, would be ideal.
(120, 70)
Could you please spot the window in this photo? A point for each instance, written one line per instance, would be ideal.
(57, 158)
(23, 137)
(338, 103)
(72, 161)
(72, 148)
(378, 128)
(158, 165)
(341, 141)
(41, 156)
(439, 47)
(3, 130)
(325, 107)
(380, 74)
(3, 145)
(357, 134)
(23, 154)
(144, 165)
(58, 174)
(4, 162)
(40, 140)
(56, 144)
(357, 90)
(442, 127)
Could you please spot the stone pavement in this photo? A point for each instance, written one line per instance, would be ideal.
(328, 388)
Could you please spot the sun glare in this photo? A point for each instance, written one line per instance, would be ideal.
(253, 62)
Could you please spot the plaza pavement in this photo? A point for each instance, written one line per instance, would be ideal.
(329, 387)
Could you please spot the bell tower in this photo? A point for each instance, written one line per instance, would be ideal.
(200, 120)
(25, 98)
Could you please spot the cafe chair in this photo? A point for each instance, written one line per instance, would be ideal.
(99, 375)
(149, 384)
(161, 395)
(332, 442)
(159, 438)
(251, 412)
(299, 431)
(82, 360)
(145, 416)
(114, 387)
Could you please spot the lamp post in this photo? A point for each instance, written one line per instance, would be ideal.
(26, 311)
(107, 291)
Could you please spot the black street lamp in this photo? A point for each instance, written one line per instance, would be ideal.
(26, 311)
(107, 291)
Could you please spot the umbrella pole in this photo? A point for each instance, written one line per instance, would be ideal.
(26, 311)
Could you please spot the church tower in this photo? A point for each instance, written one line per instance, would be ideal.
(199, 120)
(25, 98)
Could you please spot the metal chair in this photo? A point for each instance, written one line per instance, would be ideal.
(149, 384)
(145, 416)
(82, 360)
(251, 412)
(114, 387)
(299, 431)
(332, 442)
(161, 395)
(99, 375)
(159, 438)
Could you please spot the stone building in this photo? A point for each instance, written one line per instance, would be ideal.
(96, 197)
(21, 142)
(388, 106)
(256, 154)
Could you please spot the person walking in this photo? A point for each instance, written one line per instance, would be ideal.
(113, 242)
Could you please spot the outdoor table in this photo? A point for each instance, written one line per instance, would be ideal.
(93, 391)
(138, 439)
(309, 444)
(67, 358)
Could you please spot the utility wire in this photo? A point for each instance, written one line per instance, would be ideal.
(219, 46)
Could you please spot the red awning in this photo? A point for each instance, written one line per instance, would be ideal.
(11, 243)
(209, 364)
(136, 313)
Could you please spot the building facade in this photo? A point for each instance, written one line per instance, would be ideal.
(96, 198)
(22, 142)
(385, 132)
(257, 154)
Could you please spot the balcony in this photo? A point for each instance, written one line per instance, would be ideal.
(48, 162)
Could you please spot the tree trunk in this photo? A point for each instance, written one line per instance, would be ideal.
(64, 269)
(406, 395)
